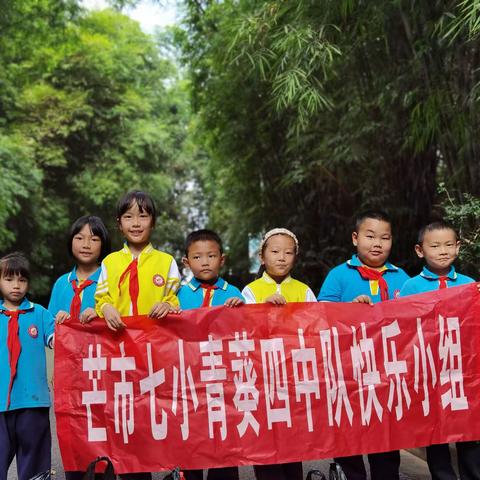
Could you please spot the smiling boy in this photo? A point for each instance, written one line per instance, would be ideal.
(367, 277)
(439, 246)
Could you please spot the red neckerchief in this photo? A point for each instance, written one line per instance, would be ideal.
(13, 345)
(208, 293)
(133, 287)
(443, 282)
(371, 274)
(76, 304)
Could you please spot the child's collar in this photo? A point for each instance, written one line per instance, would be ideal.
(25, 305)
(269, 279)
(355, 262)
(195, 283)
(147, 249)
(93, 277)
(428, 274)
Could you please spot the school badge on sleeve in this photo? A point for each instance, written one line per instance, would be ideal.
(33, 331)
(158, 280)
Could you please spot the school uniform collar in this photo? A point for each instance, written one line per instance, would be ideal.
(195, 284)
(25, 305)
(93, 277)
(269, 279)
(355, 262)
(149, 248)
(426, 273)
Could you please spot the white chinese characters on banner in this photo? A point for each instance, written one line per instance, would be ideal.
(148, 385)
(246, 393)
(185, 376)
(366, 374)
(395, 368)
(275, 381)
(305, 375)
(334, 379)
(450, 352)
(295, 363)
(423, 354)
(214, 375)
(123, 399)
(94, 366)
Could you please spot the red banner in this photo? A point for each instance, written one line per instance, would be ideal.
(234, 386)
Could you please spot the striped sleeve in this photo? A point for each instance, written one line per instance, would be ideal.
(310, 296)
(102, 293)
(172, 285)
(248, 295)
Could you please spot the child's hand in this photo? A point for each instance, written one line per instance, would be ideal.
(363, 299)
(234, 302)
(276, 299)
(88, 315)
(112, 317)
(162, 309)
(61, 316)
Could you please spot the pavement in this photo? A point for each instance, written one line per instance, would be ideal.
(412, 467)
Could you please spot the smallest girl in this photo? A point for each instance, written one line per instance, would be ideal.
(73, 294)
(278, 252)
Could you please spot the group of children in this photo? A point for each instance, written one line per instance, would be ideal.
(138, 279)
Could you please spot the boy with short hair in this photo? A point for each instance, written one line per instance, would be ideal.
(439, 246)
(367, 277)
(204, 257)
(25, 330)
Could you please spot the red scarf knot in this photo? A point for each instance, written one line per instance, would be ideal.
(443, 282)
(14, 346)
(371, 274)
(133, 287)
(76, 304)
(208, 293)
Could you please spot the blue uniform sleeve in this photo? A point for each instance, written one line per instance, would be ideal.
(48, 323)
(182, 298)
(408, 288)
(235, 292)
(331, 290)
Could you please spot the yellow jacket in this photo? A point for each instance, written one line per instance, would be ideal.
(291, 289)
(158, 280)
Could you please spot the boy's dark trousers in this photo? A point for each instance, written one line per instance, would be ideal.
(282, 471)
(469, 460)
(25, 433)
(136, 476)
(383, 466)
(225, 473)
(440, 464)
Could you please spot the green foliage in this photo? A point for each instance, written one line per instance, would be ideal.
(88, 110)
(464, 214)
(16, 185)
(311, 111)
